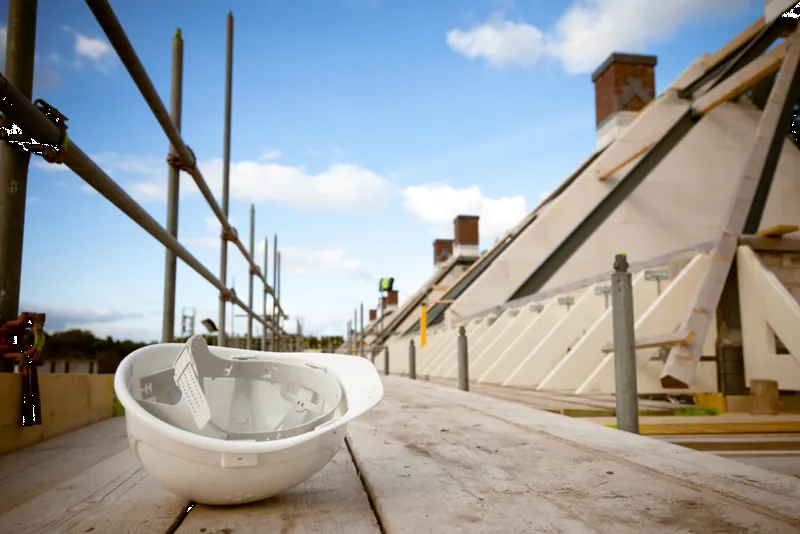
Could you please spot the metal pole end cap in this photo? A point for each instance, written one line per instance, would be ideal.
(621, 263)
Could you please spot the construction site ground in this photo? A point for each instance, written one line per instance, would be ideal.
(427, 459)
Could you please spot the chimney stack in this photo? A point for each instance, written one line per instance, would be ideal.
(466, 236)
(442, 250)
(373, 315)
(623, 85)
(390, 301)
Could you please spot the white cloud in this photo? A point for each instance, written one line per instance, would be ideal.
(302, 261)
(438, 205)
(97, 51)
(341, 187)
(299, 261)
(585, 34)
(500, 42)
(270, 154)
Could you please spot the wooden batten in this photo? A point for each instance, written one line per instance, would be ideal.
(743, 38)
(681, 337)
(770, 244)
(779, 230)
(741, 81)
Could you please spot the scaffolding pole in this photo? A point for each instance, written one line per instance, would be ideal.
(249, 345)
(20, 47)
(36, 124)
(173, 193)
(116, 35)
(264, 330)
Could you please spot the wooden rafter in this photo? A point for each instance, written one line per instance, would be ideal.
(759, 166)
(747, 77)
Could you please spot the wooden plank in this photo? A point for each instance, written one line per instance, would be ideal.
(713, 424)
(779, 230)
(333, 500)
(681, 337)
(743, 38)
(682, 361)
(530, 398)
(741, 403)
(436, 459)
(602, 174)
(738, 442)
(763, 244)
(741, 81)
(115, 495)
(69, 402)
(30, 471)
(564, 404)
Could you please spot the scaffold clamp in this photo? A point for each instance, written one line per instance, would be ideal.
(12, 133)
(23, 339)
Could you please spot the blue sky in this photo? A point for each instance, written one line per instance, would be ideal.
(360, 129)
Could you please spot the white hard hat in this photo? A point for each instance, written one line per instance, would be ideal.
(228, 426)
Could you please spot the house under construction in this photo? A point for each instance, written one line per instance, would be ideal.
(699, 186)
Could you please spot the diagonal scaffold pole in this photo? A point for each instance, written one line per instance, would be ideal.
(116, 35)
(34, 123)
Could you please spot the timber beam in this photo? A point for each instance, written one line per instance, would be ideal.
(741, 81)
(749, 49)
(746, 207)
(716, 60)
(770, 244)
(681, 337)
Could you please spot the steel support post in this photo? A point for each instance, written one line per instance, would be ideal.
(627, 396)
(463, 360)
(412, 360)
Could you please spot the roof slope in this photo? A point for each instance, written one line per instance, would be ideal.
(536, 256)
(436, 313)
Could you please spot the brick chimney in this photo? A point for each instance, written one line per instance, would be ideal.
(390, 301)
(373, 315)
(466, 236)
(623, 85)
(442, 250)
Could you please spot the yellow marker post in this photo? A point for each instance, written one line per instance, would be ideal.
(423, 326)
